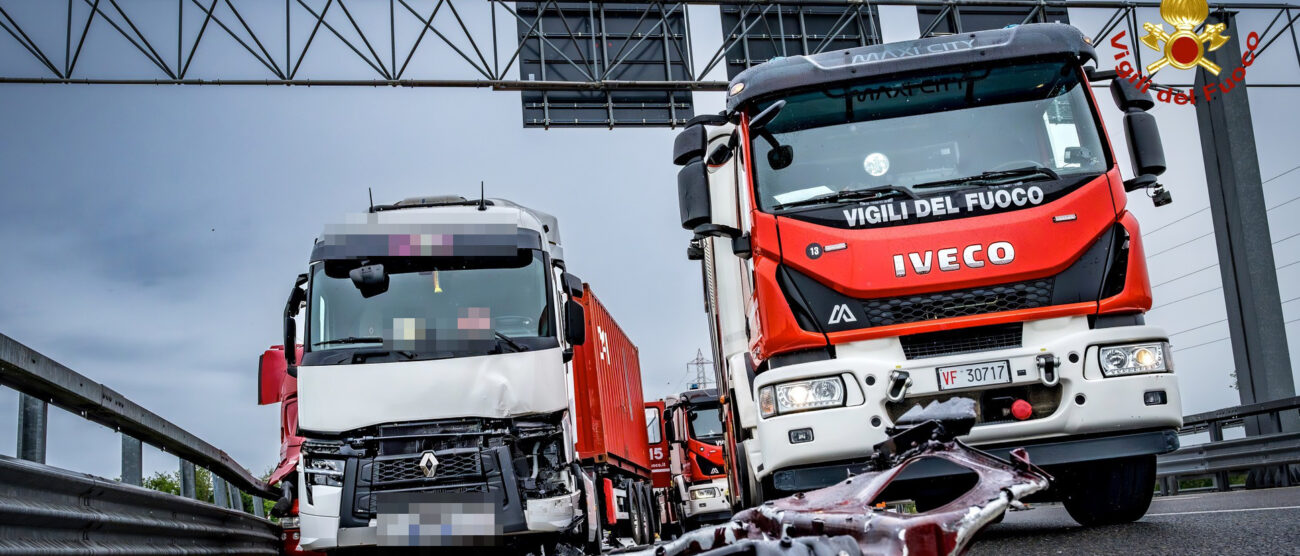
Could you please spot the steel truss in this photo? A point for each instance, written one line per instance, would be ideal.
(479, 43)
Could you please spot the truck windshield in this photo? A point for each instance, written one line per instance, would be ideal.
(922, 135)
(706, 423)
(434, 308)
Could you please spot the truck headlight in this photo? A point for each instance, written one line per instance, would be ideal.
(323, 471)
(703, 493)
(801, 395)
(1135, 359)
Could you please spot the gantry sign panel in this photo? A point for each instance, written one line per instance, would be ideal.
(586, 42)
(756, 33)
(957, 18)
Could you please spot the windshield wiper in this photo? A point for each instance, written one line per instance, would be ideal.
(987, 178)
(352, 340)
(879, 192)
(516, 346)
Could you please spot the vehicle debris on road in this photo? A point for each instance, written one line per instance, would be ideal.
(843, 519)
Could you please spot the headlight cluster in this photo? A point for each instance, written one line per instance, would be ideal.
(1135, 359)
(703, 493)
(801, 395)
(323, 471)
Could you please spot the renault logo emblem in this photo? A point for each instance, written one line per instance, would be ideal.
(428, 464)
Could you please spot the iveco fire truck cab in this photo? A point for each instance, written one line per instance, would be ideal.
(434, 391)
(892, 225)
(699, 475)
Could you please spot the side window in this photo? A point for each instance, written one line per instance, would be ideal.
(653, 429)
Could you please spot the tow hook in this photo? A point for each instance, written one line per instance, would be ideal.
(1048, 368)
(899, 382)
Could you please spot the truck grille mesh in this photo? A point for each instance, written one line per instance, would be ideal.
(965, 340)
(407, 468)
(959, 303)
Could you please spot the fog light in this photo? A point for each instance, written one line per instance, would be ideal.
(1155, 397)
(799, 436)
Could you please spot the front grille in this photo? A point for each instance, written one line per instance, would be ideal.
(959, 303)
(407, 468)
(965, 340)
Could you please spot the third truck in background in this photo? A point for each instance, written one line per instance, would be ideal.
(685, 435)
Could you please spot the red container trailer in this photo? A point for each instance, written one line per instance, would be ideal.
(610, 422)
(607, 385)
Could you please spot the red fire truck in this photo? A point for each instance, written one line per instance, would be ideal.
(892, 225)
(690, 478)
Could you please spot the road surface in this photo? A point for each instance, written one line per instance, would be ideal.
(1251, 522)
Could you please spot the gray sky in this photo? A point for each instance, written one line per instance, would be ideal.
(152, 233)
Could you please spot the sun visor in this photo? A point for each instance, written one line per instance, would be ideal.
(370, 239)
(1032, 41)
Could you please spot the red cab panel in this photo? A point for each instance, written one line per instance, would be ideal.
(660, 451)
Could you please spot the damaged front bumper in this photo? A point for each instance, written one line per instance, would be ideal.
(850, 518)
(515, 466)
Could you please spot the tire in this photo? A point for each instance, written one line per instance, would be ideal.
(1111, 491)
(647, 510)
(636, 518)
(751, 491)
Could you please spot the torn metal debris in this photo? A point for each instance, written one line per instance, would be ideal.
(845, 519)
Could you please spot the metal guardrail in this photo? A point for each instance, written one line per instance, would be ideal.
(47, 510)
(54, 511)
(1217, 457)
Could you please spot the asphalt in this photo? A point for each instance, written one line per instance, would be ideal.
(1254, 522)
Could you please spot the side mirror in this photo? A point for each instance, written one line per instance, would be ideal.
(1129, 97)
(296, 296)
(572, 285)
(575, 323)
(693, 195)
(1145, 148)
(781, 157)
(670, 432)
(689, 144)
(271, 374)
(370, 280)
(1144, 144)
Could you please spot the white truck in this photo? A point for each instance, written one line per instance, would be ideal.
(436, 387)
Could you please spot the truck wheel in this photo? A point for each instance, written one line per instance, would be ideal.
(1110, 491)
(751, 492)
(647, 509)
(636, 517)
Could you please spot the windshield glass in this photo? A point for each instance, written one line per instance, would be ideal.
(434, 307)
(706, 423)
(934, 128)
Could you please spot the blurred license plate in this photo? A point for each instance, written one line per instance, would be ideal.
(974, 374)
(438, 519)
